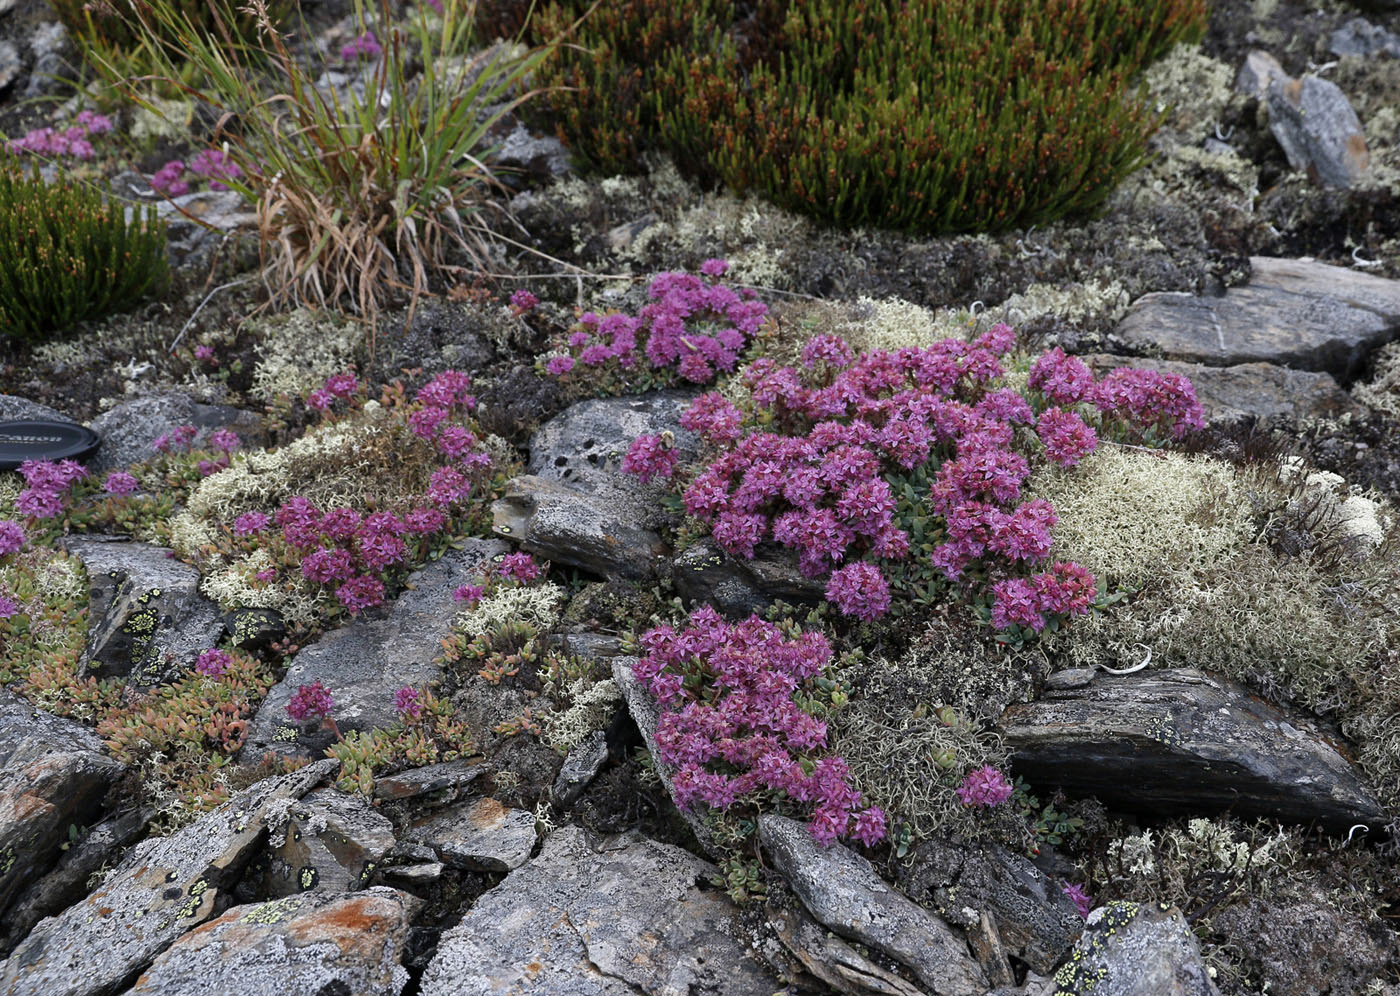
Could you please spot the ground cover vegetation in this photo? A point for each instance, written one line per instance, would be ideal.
(977, 511)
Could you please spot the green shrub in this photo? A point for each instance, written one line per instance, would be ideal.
(932, 115)
(126, 26)
(69, 254)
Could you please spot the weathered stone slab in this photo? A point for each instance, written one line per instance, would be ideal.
(13, 408)
(585, 444)
(702, 572)
(332, 841)
(446, 781)
(163, 887)
(53, 775)
(843, 891)
(366, 662)
(1183, 741)
(579, 768)
(1257, 390)
(310, 945)
(830, 959)
(1035, 920)
(1132, 949)
(616, 919)
(477, 834)
(150, 621)
(1293, 313)
(1318, 129)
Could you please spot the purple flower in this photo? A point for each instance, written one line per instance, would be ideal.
(119, 482)
(342, 385)
(204, 354)
(325, 566)
(217, 166)
(213, 663)
(1083, 902)
(520, 566)
(649, 456)
(407, 704)
(319, 400)
(360, 593)
(249, 523)
(310, 701)
(365, 45)
(166, 180)
(469, 593)
(12, 537)
(225, 440)
(8, 607)
(859, 590)
(714, 268)
(523, 301)
(39, 504)
(558, 366)
(425, 521)
(1067, 439)
(985, 786)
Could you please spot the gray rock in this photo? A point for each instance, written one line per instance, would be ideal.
(601, 530)
(49, 47)
(543, 157)
(7, 5)
(1131, 949)
(1183, 741)
(150, 621)
(369, 660)
(53, 775)
(198, 223)
(10, 65)
(1258, 70)
(1035, 921)
(585, 444)
(14, 408)
(129, 429)
(416, 874)
(1258, 390)
(99, 846)
(1314, 122)
(309, 945)
(842, 890)
(828, 958)
(646, 713)
(580, 767)
(163, 887)
(616, 919)
(477, 834)
(445, 781)
(1362, 38)
(702, 572)
(1293, 313)
(332, 841)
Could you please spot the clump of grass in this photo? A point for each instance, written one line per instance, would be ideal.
(69, 255)
(364, 195)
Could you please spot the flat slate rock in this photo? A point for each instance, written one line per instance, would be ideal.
(618, 918)
(477, 834)
(1136, 949)
(54, 774)
(332, 841)
(311, 945)
(366, 662)
(447, 779)
(1183, 741)
(1257, 390)
(1292, 313)
(842, 891)
(149, 619)
(163, 888)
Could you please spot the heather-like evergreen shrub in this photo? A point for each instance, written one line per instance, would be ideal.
(68, 255)
(931, 115)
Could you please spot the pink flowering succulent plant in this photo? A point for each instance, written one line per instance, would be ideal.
(733, 728)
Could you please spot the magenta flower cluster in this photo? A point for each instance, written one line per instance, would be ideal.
(71, 142)
(732, 729)
(985, 786)
(365, 46)
(519, 567)
(1083, 902)
(348, 550)
(311, 701)
(48, 485)
(649, 456)
(812, 463)
(692, 325)
(214, 165)
(407, 703)
(213, 662)
(12, 538)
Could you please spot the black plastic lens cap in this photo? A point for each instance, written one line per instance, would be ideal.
(44, 439)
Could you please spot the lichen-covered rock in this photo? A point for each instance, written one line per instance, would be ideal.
(310, 945)
(445, 782)
(53, 776)
(702, 572)
(130, 428)
(1183, 741)
(1257, 71)
(14, 408)
(477, 835)
(1360, 37)
(830, 959)
(1130, 949)
(162, 888)
(842, 890)
(366, 662)
(199, 222)
(585, 444)
(331, 841)
(579, 768)
(1318, 129)
(1035, 921)
(582, 919)
(149, 620)
(1292, 313)
(1255, 390)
